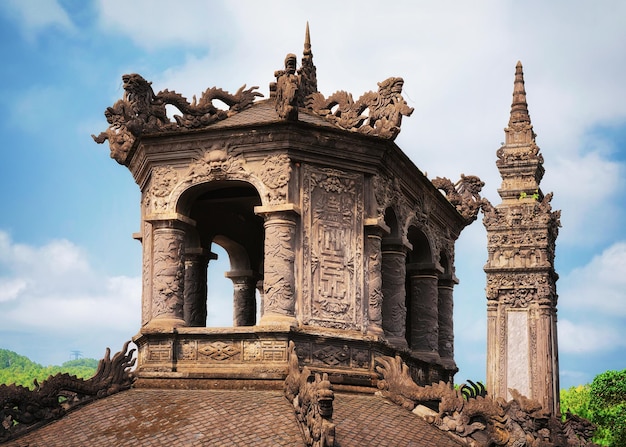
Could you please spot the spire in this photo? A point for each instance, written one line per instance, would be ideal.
(519, 107)
(519, 160)
(308, 72)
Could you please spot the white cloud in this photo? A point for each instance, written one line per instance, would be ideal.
(35, 17)
(155, 24)
(52, 288)
(586, 338)
(598, 288)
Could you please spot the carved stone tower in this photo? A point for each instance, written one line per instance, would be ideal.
(521, 280)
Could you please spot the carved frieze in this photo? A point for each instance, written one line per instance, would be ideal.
(333, 221)
(160, 351)
(219, 351)
(275, 173)
(539, 282)
(215, 164)
(163, 181)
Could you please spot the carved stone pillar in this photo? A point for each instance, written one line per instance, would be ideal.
(244, 297)
(373, 253)
(494, 332)
(168, 273)
(394, 292)
(446, 312)
(195, 293)
(424, 296)
(279, 293)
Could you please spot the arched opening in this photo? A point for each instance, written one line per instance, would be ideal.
(228, 237)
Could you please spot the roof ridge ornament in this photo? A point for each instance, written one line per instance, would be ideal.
(141, 111)
(374, 113)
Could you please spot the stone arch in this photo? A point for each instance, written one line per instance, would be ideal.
(223, 212)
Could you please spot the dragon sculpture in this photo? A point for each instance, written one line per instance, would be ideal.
(385, 109)
(22, 409)
(476, 419)
(464, 194)
(141, 111)
(312, 398)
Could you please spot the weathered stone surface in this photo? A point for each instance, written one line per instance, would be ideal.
(521, 280)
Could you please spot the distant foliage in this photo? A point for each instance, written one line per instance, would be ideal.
(18, 369)
(602, 402)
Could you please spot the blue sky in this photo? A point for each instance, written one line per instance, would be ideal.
(69, 268)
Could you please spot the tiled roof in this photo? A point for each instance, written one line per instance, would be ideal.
(265, 112)
(156, 417)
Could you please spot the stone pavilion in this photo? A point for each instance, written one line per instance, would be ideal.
(341, 256)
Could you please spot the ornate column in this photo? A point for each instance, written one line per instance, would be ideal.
(373, 253)
(393, 274)
(244, 297)
(279, 293)
(446, 312)
(195, 292)
(424, 301)
(168, 272)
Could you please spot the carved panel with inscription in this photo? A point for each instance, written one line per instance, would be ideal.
(333, 271)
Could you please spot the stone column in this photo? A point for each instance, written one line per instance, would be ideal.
(373, 253)
(495, 330)
(424, 296)
(168, 273)
(195, 293)
(393, 274)
(446, 312)
(244, 297)
(279, 293)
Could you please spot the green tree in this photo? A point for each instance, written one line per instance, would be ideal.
(607, 405)
(20, 370)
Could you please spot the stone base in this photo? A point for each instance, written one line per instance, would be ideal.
(256, 357)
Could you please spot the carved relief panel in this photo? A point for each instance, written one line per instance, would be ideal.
(332, 248)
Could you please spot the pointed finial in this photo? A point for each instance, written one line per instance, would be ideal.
(519, 107)
(307, 41)
(308, 72)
